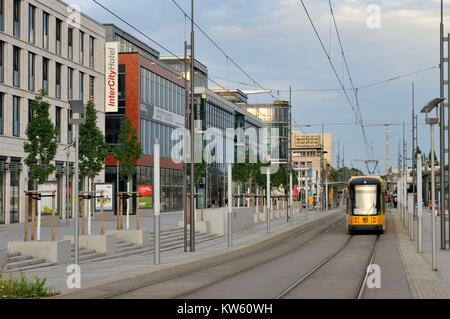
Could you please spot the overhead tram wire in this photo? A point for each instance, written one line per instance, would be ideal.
(221, 50)
(155, 42)
(337, 89)
(355, 91)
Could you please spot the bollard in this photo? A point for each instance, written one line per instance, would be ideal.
(117, 211)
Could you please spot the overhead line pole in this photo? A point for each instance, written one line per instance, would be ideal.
(441, 131)
(192, 198)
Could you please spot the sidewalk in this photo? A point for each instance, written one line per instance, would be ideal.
(423, 282)
(97, 273)
(15, 232)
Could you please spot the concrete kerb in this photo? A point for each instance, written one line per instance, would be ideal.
(164, 271)
(52, 251)
(100, 243)
(141, 237)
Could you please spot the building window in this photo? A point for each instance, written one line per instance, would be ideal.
(69, 127)
(16, 117)
(58, 81)
(16, 66)
(2, 45)
(16, 18)
(30, 111)
(31, 23)
(91, 52)
(70, 43)
(45, 18)
(58, 36)
(1, 113)
(91, 88)
(31, 70)
(69, 83)
(2, 8)
(81, 47)
(45, 74)
(58, 123)
(14, 196)
(81, 85)
(121, 84)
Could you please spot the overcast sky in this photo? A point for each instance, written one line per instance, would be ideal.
(274, 42)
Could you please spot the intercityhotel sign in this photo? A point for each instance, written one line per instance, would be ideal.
(111, 76)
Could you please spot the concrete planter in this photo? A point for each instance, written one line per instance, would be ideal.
(3, 260)
(140, 237)
(100, 243)
(51, 251)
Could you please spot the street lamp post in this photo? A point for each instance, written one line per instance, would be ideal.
(432, 121)
(77, 107)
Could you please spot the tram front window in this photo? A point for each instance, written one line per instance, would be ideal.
(365, 200)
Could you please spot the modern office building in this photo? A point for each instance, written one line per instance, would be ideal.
(276, 119)
(215, 111)
(152, 95)
(309, 152)
(44, 45)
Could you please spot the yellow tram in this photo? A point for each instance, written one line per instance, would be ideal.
(366, 204)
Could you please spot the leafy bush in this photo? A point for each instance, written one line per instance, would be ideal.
(19, 287)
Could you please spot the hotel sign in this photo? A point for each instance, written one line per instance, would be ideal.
(111, 76)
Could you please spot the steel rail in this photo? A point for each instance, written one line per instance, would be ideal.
(151, 283)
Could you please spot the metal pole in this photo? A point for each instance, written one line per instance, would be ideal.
(419, 205)
(306, 200)
(441, 131)
(75, 194)
(268, 202)
(192, 228)
(448, 133)
(413, 160)
(326, 195)
(433, 201)
(186, 125)
(291, 199)
(230, 208)
(156, 180)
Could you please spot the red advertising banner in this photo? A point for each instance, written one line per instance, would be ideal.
(295, 192)
(145, 190)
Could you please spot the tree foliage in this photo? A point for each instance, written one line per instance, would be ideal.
(93, 148)
(129, 150)
(41, 145)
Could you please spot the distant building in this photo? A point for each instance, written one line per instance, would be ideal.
(306, 158)
(41, 47)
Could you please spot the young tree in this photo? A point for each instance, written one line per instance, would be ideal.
(41, 146)
(93, 148)
(127, 152)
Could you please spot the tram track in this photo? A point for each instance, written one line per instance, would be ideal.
(359, 292)
(335, 222)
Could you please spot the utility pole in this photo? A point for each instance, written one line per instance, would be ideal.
(186, 125)
(441, 130)
(290, 205)
(387, 151)
(192, 228)
(413, 162)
